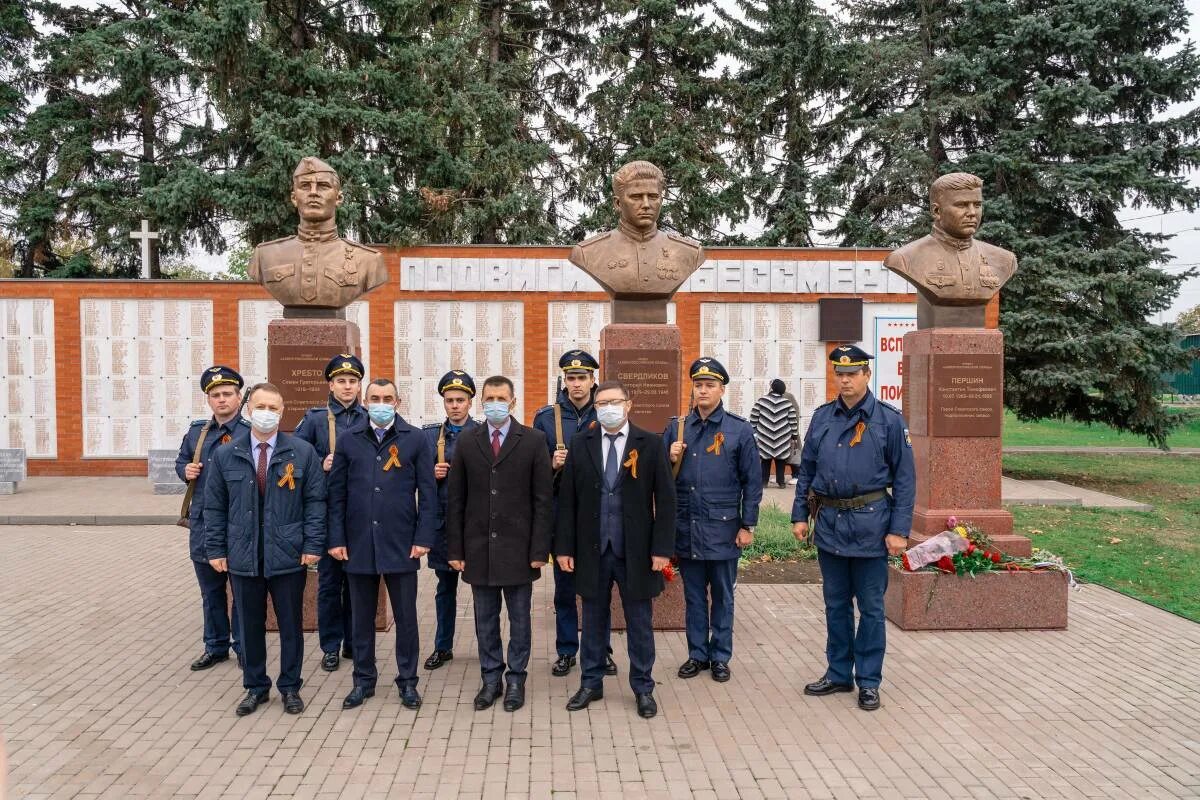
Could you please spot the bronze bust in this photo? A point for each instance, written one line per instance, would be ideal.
(316, 272)
(639, 265)
(955, 275)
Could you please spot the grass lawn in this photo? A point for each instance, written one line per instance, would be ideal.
(773, 538)
(1154, 555)
(1077, 434)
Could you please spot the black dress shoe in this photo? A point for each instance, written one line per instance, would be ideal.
(868, 699)
(720, 671)
(292, 703)
(646, 706)
(691, 668)
(251, 702)
(610, 666)
(825, 686)
(514, 697)
(347, 652)
(488, 694)
(330, 662)
(410, 697)
(562, 666)
(358, 695)
(583, 697)
(207, 661)
(438, 659)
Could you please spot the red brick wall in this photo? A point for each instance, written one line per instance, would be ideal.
(225, 297)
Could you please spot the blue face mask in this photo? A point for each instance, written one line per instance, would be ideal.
(381, 414)
(497, 412)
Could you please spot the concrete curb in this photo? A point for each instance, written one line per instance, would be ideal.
(96, 520)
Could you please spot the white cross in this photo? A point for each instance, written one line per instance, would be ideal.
(145, 235)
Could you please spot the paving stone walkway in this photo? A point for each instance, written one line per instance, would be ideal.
(98, 625)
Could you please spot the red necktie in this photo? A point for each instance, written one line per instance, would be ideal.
(495, 444)
(262, 467)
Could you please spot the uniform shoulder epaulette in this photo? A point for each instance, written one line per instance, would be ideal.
(599, 237)
(428, 426)
(549, 407)
(359, 245)
(888, 405)
(729, 413)
(679, 237)
(829, 404)
(317, 410)
(196, 423)
(277, 241)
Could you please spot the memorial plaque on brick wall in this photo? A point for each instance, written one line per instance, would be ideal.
(652, 377)
(966, 395)
(12, 464)
(27, 377)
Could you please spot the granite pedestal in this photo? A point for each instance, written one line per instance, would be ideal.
(648, 358)
(383, 612)
(953, 402)
(297, 352)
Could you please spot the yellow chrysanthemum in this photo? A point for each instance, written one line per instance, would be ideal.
(961, 531)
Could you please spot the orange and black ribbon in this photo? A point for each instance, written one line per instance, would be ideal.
(288, 478)
(631, 462)
(715, 447)
(858, 432)
(394, 459)
(225, 439)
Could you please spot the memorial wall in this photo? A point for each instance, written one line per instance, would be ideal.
(99, 372)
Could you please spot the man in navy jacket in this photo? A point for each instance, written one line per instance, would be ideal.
(264, 513)
(382, 510)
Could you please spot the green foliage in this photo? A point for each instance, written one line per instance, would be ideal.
(1069, 433)
(1151, 555)
(1189, 321)
(773, 540)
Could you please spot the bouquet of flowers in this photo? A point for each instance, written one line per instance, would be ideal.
(964, 549)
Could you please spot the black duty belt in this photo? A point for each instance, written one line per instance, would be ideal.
(851, 503)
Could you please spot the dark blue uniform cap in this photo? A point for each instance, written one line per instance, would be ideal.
(344, 364)
(705, 367)
(217, 376)
(457, 379)
(578, 361)
(849, 358)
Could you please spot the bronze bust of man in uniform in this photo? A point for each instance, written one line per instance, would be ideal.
(638, 265)
(955, 275)
(316, 272)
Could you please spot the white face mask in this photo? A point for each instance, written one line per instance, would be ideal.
(263, 420)
(611, 417)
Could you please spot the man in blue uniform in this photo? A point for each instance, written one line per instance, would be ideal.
(571, 413)
(719, 488)
(264, 524)
(321, 427)
(223, 387)
(856, 449)
(457, 389)
(382, 503)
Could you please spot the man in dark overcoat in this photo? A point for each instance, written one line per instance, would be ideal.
(498, 529)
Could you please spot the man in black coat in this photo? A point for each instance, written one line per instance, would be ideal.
(382, 509)
(499, 511)
(616, 524)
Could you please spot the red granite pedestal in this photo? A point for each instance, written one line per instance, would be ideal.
(297, 352)
(647, 358)
(953, 401)
(383, 612)
(668, 608)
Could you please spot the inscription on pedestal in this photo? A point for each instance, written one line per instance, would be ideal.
(653, 379)
(298, 371)
(966, 395)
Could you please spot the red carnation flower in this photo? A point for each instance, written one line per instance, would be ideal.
(946, 564)
(995, 558)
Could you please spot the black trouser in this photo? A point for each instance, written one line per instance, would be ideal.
(287, 597)
(780, 470)
(487, 601)
(639, 630)
(364, 600)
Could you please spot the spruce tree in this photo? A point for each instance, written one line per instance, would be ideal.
(1064, 110)
(658, 95)
(785, 94)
